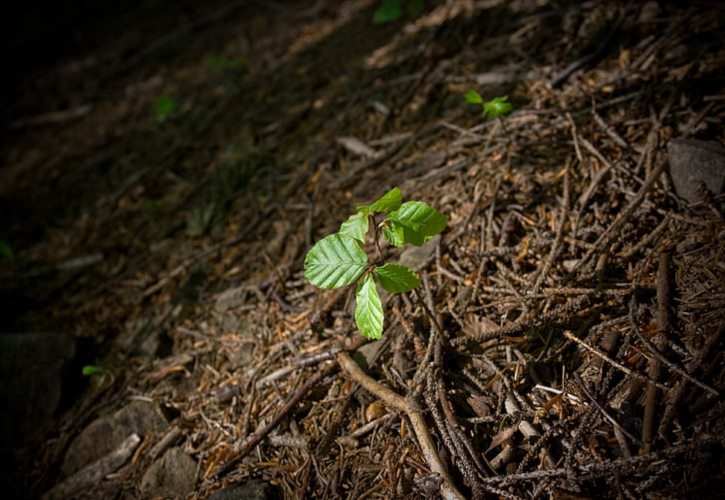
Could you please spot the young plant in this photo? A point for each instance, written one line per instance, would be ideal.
(495, 108)
(339, 259)
(6, 251)
(164, 106)
(392, 10)
(222, 63)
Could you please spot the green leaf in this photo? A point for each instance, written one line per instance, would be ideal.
(89, 370)
(395, 278)
(394, 233)
(420, 221)
(496, 107)
(389, 11)
(415, 8)
(389, 201)
(356, 226)
(473, 97)
(336, 260)
(369, 309)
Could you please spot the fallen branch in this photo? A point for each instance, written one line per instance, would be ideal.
(390, 398)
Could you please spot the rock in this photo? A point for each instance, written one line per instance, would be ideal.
(105, 434)
(695, 162)
(240, 355)
(32, 366)
(253, 489)
(173, 475)
(367, 353)
(229, 298)
(417, 257)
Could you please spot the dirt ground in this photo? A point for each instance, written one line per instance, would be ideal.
(164, 173)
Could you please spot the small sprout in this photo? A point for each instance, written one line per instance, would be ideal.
(495, 108)
(149, 205)
(339, 259)
(222, 63)
(89, 370)
(392, 10)
(473, 97)
(101, 377)
(164, 106)
(6, 251)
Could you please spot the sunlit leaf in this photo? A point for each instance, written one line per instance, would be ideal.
(395, 278)
(336, 260)
(389, 201)
(369, 309)
(420, 221)
(356, 226)
(394, 233)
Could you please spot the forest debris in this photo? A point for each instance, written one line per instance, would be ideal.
(356, 147)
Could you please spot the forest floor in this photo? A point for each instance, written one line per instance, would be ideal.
(160, 189)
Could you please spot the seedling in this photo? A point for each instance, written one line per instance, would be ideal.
(89, 370)
(222, 63)
(339, 259)
(6, 251)
(392, 10)
(164, 106)
(497, 107)
(101, 377)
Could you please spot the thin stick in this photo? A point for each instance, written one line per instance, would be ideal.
(603, 410)
(262, 433)
(623, 216)
(663, 324)
(672, 366)
(609, 360)
(556, 247)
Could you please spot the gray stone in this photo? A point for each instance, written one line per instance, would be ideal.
(240, 355)
(367, 354)
(31, 374)
(253, 489)
(693, 163)
(173, 475)
(105, 434)
(417, 258)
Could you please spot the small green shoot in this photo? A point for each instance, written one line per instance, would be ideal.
(497, 107)
(149, 206)
(164, 106)
(6, 251)
(392, 10)
(222, 63)
(100, 377)
(339, 259)
(89, 370)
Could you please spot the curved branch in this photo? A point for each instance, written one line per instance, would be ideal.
(391, 398)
